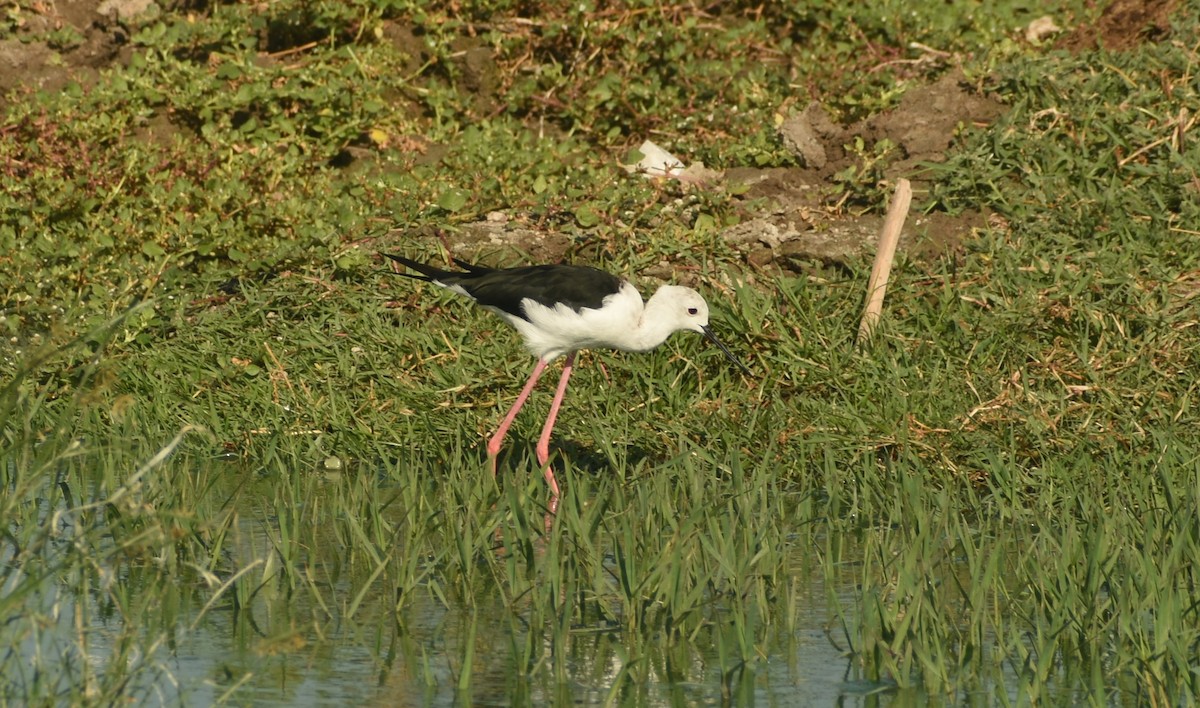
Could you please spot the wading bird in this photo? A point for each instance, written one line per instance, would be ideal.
(560, 309)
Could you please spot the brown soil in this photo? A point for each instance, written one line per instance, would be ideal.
(804, 224)
(100, 33)
(1124, 25)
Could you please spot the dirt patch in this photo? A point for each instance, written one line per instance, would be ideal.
(800, 228)
(1124, 25)
(510, 240)
(498, 240)
(921, 128)
(795, 236)
(797, 222)
(925, 123)
(24, 64)
(86, 36)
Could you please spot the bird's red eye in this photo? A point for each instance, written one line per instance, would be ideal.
(692, 310)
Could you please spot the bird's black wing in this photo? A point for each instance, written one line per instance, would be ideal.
(506, 289)
(576, 287)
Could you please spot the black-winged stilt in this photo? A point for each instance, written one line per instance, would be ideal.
(560, 309)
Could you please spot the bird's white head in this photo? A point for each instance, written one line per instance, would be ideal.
(677, 307)
(681, 307)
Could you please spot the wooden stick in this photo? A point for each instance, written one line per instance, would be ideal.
(885, 252)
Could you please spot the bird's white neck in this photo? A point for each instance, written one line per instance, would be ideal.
(659, 321)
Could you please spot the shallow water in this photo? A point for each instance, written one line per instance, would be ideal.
(293, 641)
(420, 664)
(274, 654)
(272, 659)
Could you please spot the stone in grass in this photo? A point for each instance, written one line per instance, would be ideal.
(802, 134)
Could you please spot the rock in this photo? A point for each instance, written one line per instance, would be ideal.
(803, 133)
(126, 10)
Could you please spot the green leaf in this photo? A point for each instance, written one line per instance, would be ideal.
(452, 199)
(587, 216)
(633, 157)
(229, 70)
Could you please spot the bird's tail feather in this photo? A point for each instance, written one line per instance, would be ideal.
(427, 273)
(430, 273)
(470, 267)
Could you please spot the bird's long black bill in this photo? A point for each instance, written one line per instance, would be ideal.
(708, 333)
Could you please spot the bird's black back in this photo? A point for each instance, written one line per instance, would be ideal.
(506, 289)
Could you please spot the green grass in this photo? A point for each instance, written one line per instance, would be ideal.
(996, 498)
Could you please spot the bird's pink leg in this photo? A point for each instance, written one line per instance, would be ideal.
(493, 446)
(543, 444)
